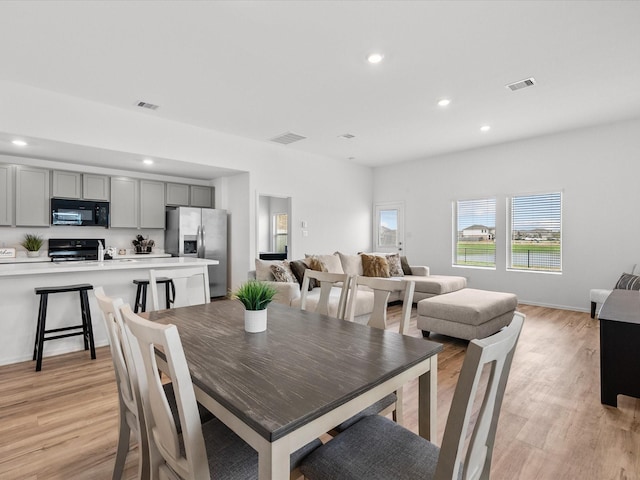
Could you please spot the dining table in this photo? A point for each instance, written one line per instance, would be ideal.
(284, 387)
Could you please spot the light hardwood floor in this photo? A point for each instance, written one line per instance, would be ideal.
(61, 423)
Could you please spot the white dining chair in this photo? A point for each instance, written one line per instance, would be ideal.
(332, 285)
(376, 448)
(130, 402)
(190, 286)
(199, 451)
(382, 289)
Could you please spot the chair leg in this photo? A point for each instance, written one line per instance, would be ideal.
(37, 337)
(593, 309)
(398, 413)
(136, 307)
(86, 320)
(42, 325)
(123, 445)
(425, 333)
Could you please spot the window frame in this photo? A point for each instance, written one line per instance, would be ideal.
(510, 233)
(455, 205)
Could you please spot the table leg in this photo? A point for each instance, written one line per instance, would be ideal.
(428, 402)
(273, 461)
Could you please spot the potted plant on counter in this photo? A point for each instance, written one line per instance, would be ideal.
(32, 243)
(255, 296)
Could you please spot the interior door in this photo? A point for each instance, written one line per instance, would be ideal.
(388, 229)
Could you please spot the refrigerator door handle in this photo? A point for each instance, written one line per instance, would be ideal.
(203, 243)
(199, 242)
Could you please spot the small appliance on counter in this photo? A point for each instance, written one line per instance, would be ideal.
(74, 249)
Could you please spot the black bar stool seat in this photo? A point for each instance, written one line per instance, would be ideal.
(141, 293)
(85, 329)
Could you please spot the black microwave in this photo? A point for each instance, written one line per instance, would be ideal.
(81, 213)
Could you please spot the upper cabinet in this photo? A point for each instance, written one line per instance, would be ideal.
(151, 204)
(6, 194)
(124, 202)
(95, 187)
(32, 197)
(177, 195)
(87, 186)
(66, 184)
(202, 196)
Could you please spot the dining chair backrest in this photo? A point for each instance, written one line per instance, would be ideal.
(327, 282)
(382, 289)
(190, 286)
(164, 441)
(128, 382)
(496, 352)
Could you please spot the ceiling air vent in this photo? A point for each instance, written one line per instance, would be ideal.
(287, 138)
(527, 82)
(150, 106)
(346, 136)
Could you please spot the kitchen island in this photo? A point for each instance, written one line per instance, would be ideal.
(19, 304)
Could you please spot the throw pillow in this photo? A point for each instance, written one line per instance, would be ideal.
(297, 268)
(628, 282)
(395, 267)
(375, 266)
(283, 273)
(405, 265)
(325, 263)
(351, 264)
(263, 269)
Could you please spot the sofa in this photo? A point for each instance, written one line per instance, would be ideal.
(286, 278)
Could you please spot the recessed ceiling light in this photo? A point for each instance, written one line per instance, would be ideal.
(147, 161)
(485, 128)
(20, 143)
(444, 102)
(375, 58)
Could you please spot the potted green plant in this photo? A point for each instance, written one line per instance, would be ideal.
(32, 243)
(255, 296)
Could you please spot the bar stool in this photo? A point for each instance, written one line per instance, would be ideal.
(86, 327)
(141, 293)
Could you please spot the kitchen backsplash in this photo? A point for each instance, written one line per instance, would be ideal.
(114, 237)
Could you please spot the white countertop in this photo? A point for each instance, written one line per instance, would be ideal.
(129, 262)
(22, 258)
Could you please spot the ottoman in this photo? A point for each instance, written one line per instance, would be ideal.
(432, 285)
(467, 313)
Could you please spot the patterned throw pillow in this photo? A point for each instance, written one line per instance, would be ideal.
(314, 263)
(375, 266)
(283, 273)
(395, 267)
(628, 282)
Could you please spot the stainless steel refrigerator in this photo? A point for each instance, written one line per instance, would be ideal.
(202, 233)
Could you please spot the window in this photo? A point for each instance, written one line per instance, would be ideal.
(535, 223)
(475, 233)
(280, 232)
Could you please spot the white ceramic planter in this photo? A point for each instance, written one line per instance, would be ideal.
(255, 320)
(32, 254)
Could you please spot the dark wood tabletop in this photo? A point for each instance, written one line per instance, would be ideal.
(301, 367)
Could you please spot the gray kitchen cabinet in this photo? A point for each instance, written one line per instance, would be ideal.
(95, 187)
(177, 194)
(6, 194)
(66, 184)
(152, 204)
(202, 196)
(32, 197)
(125, 202)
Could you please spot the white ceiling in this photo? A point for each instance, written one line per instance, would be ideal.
(262, 68)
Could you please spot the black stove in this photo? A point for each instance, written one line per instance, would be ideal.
(74, 249)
